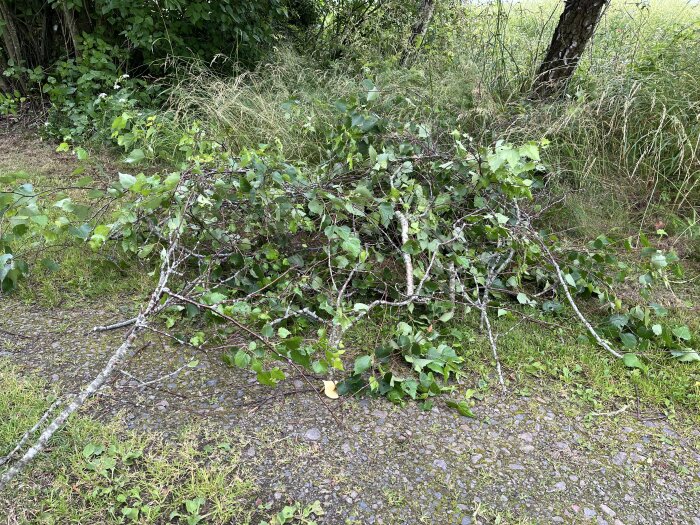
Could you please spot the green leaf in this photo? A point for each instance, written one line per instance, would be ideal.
(81, 154)
(460, 406)
(502, 219)
(632, 361)
(447, 316)
(530, 151)
(386, 212)
(135, 157)
(372, 155)
(682, 332)
(657, 329)
(659, 260)
(618, 320)
(316, 206)
(352, 246)
(411, 247)
(523, 299)
(686, 356)
(126, 180)
(372, 91)
(362, 363)
(50, 265)
(89, 450)
(628, 340)
(83, 232)
(241, 359)
(354, 210)
(293, 343)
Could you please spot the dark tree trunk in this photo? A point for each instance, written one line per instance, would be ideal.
(576, 27)
(11, 42)
(420, 28)
(5, 86)
(71, 28)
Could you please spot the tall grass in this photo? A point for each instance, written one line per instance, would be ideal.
(291, 100)
(637, 103)
(625, 139)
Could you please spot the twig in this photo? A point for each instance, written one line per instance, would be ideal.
(304, 311)
(14, 334)
(403, 221)
(31, 431)
(117, 357)
(560, 277)
(608, 414)
(492, 342)
(257, 336)
(114, 326)
(153, 387)
(157, 380)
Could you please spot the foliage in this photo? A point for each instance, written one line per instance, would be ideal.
(297, 513)
(115, 48)
(88, 91)
(389, 219)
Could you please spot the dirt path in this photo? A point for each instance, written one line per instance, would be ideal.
(531, 460)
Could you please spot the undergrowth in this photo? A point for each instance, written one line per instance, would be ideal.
(103, 473)
(431, 190)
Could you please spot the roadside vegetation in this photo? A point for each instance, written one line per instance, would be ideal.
(364, 172)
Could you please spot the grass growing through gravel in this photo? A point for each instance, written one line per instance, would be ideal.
(584, 371)
(552, 359)
(97, 473)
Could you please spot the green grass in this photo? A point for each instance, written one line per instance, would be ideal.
(98, 473)
(624, 150)
(82, 275)
(79, 273)
(537, 356)
(552, 361)
(624, 146)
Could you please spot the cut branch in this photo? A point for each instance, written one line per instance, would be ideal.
(560, 277)
(166, 269)
(31, 431)
(403, 221)
(115, 326)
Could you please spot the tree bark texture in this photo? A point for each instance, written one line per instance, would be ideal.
(574, 30)
(420, 28)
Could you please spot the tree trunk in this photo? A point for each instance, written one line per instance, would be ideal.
(420, 28)
(71, 28)
(576, 27)
(5, 86)
(13, 49)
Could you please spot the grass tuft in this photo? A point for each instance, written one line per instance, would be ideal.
(101, 473)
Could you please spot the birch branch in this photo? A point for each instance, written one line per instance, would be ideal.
(31, 431)
(560, 276)
(117, 357)
(115, 326)
(403, 221)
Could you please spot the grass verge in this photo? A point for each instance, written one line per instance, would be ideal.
(101, 473)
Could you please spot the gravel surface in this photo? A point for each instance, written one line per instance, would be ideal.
(539, 459)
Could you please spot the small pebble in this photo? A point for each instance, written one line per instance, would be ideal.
(313, 434)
